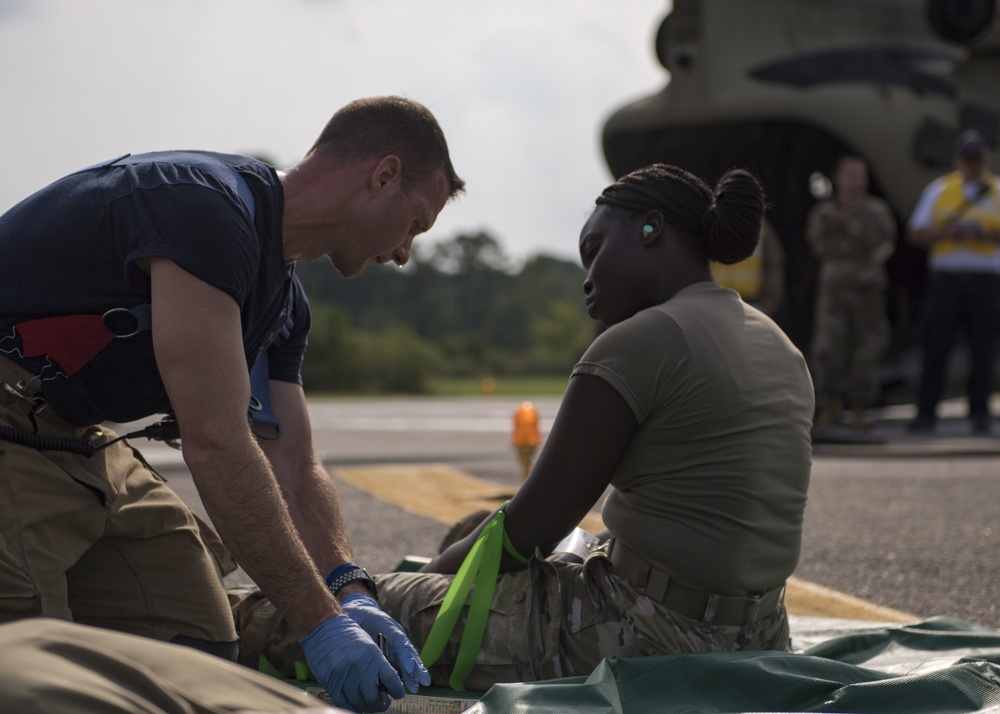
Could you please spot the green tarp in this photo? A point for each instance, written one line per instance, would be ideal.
(940, 665)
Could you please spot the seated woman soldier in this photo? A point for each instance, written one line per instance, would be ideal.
(695, 409)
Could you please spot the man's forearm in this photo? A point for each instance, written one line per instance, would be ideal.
(305, 485)
(926, 237)
(315, 509)
(242, 498)
(198, 342)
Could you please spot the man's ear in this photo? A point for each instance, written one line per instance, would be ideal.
(388, 173)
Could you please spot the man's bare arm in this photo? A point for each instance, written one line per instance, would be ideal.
(305, 485)
(588, 440)
(199, 351)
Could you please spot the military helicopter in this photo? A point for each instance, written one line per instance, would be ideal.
(784, 87)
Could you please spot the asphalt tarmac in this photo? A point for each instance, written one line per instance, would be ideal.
(902, 521)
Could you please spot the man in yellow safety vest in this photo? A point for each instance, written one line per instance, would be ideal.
(958, 220)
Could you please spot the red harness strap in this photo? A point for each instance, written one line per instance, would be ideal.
(69, 340)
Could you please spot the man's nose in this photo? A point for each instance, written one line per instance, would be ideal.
(401, 256)
(588, 285)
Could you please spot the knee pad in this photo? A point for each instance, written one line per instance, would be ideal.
(225, 650)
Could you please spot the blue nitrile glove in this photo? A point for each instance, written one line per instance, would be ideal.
(365, 611)
(351, 666)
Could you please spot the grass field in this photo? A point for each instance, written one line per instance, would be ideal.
(503, 386)
(473, 387)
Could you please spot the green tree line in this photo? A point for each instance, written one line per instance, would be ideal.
(457, 310)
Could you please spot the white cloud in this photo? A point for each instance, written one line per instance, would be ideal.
(520, 87)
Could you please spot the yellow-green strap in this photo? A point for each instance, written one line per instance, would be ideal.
(302, 671)
(511, 550)
(479, 608)
(451, 607)
(481, 567)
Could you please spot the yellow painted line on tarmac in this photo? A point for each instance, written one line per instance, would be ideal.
(446, 494)
(809, 599)
(436, 491)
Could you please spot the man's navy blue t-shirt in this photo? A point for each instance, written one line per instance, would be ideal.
(74, 248)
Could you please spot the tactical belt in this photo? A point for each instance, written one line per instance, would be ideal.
(711, 609)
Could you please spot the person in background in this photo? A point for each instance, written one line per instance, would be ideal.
(957, 219)
(852, 234)
(759, 279)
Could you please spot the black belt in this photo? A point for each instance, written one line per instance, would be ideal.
(16, 389)
(710, 608)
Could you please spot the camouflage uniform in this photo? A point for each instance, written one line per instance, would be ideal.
(560, 619)
(553, 619)
(851, 323)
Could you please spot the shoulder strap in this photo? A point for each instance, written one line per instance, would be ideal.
(73, 340)
(225, 173)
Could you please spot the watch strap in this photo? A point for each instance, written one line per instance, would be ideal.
(351, 575)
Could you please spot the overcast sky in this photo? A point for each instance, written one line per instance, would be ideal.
(521, 88)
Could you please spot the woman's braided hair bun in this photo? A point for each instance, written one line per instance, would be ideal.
(724, 225)
(731, 225)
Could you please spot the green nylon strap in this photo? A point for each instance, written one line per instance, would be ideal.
(480, 567)
(511, 550)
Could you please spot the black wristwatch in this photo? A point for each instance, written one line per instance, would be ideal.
(353, 575)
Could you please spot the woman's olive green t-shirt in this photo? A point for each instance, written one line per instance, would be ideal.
(713, 487)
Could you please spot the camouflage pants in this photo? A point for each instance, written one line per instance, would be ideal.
(851, 329)
(558, 619)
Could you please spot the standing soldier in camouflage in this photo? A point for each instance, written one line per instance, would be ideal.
(852, 234)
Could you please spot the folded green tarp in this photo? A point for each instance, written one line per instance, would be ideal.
(940, 665)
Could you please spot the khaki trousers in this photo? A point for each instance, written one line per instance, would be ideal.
(102, 540)
(53, 667)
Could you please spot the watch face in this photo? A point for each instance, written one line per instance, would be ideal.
(370, 582)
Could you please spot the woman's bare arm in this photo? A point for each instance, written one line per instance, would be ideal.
(587, 442)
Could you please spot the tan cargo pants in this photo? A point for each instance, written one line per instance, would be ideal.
(54, 667)
(102, 540)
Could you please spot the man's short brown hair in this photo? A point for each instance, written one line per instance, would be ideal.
(379, 126)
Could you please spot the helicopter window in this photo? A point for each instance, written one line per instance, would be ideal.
(884, 65)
